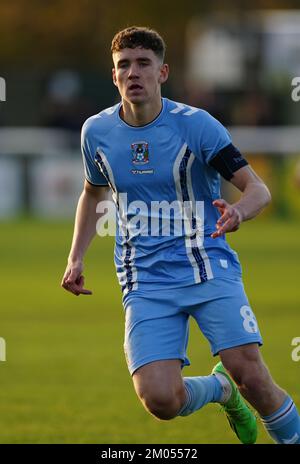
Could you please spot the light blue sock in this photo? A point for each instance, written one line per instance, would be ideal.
(200, 391)
(284, 424)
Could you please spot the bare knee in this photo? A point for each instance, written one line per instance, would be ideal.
(162, 405)
(160, 388)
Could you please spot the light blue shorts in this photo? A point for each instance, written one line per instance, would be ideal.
(157, 322)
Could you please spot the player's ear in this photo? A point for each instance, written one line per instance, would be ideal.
(164, 73)
(114, 77)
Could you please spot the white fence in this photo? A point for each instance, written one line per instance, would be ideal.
(41, 169)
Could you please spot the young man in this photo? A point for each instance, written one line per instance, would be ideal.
(157, 150)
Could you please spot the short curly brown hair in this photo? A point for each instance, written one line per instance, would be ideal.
(136, 36)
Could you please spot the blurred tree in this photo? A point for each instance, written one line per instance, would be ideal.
(40, 37)
(47, 34)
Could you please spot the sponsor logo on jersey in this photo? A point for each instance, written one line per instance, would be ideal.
(142, 171)
(140, 153)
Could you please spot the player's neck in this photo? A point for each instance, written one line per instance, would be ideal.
(140, 115)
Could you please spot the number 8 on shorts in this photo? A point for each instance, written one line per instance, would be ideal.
(249, 323)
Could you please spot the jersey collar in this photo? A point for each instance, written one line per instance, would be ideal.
(150, 124)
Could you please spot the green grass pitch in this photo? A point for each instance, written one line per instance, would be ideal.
(65, 379)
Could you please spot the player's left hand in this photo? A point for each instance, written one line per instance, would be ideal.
(230, 218)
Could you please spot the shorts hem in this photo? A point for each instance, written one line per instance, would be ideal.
(235, 343)
(137, 365)
(166, 286)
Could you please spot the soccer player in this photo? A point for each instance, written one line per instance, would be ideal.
(156, 150)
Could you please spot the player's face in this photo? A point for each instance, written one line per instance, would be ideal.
(138, 73)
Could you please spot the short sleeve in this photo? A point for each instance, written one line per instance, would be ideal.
(91, 171)
(214, 137)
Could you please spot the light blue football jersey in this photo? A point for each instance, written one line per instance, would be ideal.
(166, 161)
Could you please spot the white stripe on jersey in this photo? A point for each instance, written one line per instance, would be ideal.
(115, 196)
(199, 219)
(110, 174)
(133, 269)
(198, 241)
(188, 242)
(122, 275)
(182, 107)
(122, 224)
(179, 107)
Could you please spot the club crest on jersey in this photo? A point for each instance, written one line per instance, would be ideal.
(140, 153)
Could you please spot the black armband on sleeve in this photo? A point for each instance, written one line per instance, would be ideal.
(227, 161)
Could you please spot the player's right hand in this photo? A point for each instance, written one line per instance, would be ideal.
(73, 280)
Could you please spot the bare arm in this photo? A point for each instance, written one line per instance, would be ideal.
(255, 196)
(84, 231)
